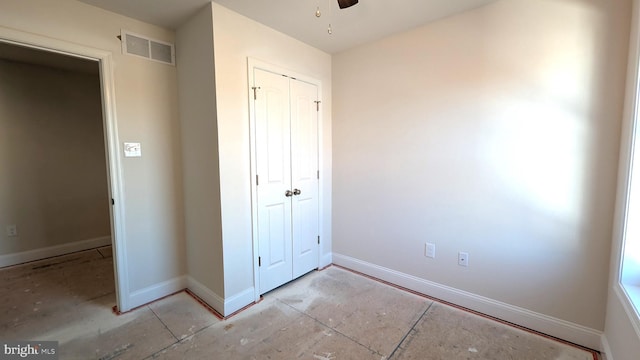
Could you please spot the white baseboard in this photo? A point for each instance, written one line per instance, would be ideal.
(205, 294)
(224, 307)
(156, 291)
(605, 349)
(47, 252)
(326, 260)
(238, 301)
(559, 328)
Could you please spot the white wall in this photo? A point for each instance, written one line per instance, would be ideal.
(147, 112)
(494, 132)
(622, 331)
(53, 183)
(200, 153)
(236, 38)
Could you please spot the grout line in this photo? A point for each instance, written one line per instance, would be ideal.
(183, 340)
(514, 325)
(165, 325)
(331, 328)
(410, 330)
(31, 262)
(204, 304)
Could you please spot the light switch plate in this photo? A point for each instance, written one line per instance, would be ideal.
(132, 150)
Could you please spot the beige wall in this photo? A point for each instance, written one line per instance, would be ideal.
(200, 152)
(236, 38)
(494, 132)
(213, 48)
(146, 112)
(53, 183)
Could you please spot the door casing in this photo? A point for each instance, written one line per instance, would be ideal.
(114, 167)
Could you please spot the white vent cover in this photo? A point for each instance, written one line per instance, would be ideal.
(142, 46)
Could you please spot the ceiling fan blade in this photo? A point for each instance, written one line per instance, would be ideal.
(343, 4)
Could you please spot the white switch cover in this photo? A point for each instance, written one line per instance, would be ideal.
(132, 150)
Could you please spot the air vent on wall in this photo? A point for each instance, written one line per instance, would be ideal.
(142, 46)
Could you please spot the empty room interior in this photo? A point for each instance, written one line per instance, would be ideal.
(322, 179)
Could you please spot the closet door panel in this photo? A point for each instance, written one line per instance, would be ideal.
(273, 165)
(304, 176)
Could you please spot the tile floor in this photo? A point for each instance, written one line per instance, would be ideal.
(328, 315)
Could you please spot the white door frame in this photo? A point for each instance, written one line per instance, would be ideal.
(252, 64)
(114, 168)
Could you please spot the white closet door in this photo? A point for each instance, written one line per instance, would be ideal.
(304, 176)
(273, 165)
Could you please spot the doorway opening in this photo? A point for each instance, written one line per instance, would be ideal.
(95, 204)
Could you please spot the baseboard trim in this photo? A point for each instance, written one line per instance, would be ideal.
(156, 291)
(545, 324)
(239, 301)
(205, 294)
(50, 251)
(605, 349)
(223, 306)
(326, 260)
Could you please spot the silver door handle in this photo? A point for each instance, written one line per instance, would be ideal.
(288, 193)
(297, 192)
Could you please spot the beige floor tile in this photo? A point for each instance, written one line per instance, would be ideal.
(309, 339)
(91, 280)
(183, 315)
(447, 333)
(106, 251)
(34, 296)
(327, 315)
(60, 323)
(327, 295)
(241, 337)
(129, 336)
(383, 318)
(374, 314)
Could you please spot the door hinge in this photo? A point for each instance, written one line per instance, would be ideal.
(255, 95)
(257, 182)
(317, 105)
(259, 261)
(318, 174)
(318, 239)
(113, 202)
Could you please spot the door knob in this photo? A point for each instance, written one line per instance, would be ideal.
(288, 193)
(297, 192)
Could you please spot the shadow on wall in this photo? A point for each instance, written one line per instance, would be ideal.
(53, 181)
(495, 132)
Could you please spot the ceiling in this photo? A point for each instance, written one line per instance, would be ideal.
(365, 22)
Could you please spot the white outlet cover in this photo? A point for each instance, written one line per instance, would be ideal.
(12, 230)
(132, 149)
(463, 259)
(430, 250)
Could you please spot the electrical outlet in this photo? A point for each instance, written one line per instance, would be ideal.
(430, 250)
(12, 230)
(463, 259)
